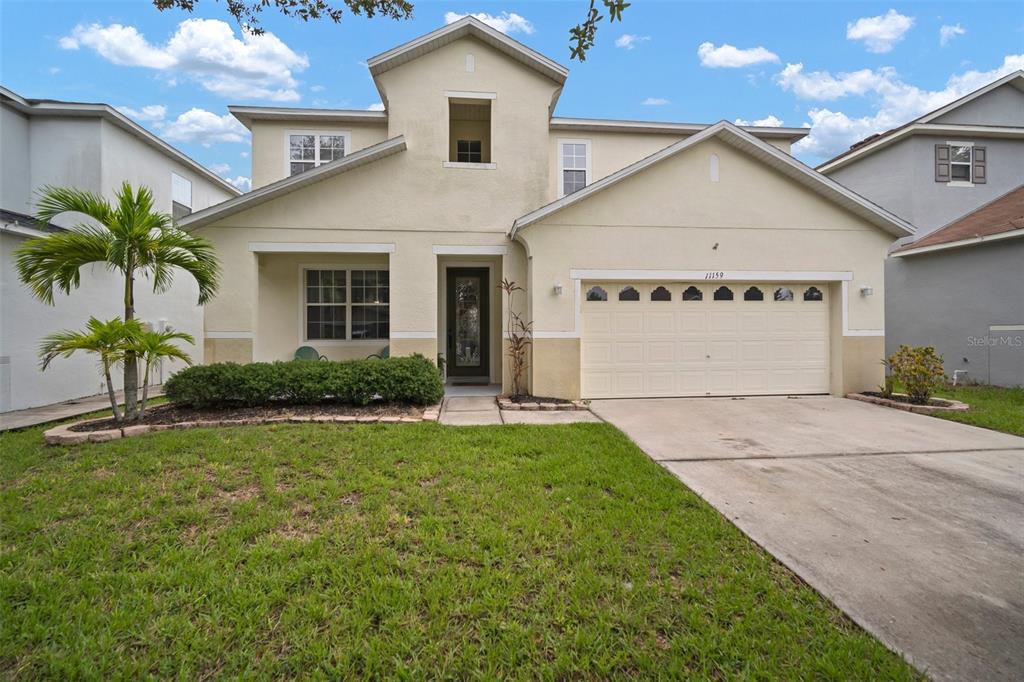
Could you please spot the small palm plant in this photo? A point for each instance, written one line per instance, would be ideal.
(109, 340)
(519, 335)
(129, 237)
(151, 347)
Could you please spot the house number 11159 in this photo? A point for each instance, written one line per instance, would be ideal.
(714, 275)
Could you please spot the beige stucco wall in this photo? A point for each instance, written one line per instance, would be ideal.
(270, 143)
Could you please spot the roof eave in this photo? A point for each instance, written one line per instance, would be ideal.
(667, 127)
(246, 115)
(290, 184)
(735, 135)
(958, 244)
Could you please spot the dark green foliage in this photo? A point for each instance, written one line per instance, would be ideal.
(413, 380)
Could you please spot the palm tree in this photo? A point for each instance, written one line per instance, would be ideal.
(151, 347)
(109, 340)
(129, 237)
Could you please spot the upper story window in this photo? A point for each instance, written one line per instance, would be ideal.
(307, 150)
(574, 165)
(960, 163)
(469, 128)
(181, 196)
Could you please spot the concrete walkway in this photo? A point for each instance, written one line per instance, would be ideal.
(33, 416)
(912, 525)
(470, 411)
(483, 411)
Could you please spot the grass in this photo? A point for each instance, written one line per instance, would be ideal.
(992, 407)
(398, 551)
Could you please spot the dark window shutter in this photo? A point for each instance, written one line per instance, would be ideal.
(942, 163)
(980, 159)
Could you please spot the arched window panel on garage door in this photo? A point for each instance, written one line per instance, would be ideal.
(783, 294)
(813, 294)
(692, 293)
(661, 294)
(596, 293)
(753, 294)
(723, 294)
(629, 293)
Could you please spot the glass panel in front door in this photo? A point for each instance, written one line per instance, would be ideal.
(467, 322)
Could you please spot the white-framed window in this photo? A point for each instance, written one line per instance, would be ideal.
(573, 166)
(307, 149)
(181, 196)
(341, 304)
(960, 159)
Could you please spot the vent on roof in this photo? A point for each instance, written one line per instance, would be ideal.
(863, 142)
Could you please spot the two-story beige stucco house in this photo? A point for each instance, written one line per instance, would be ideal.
(659, 259)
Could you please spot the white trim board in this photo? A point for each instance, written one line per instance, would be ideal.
(716, 275)
(469, 94)
(458, 250)
(319, 247)
(228, 335)
(846, 317)
(959, 243)
(412, 335)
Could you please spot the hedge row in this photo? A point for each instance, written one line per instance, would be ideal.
(412, 380)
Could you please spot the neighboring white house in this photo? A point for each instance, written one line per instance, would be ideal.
(91, 147)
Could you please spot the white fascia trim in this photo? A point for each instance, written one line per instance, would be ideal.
(469, 94)
(246, 115)
(960, 243)
(229, 335)
(846, 317)
(1006, 328)
(468, 166)
(23, 231)
(413, 335)
(457, 250)
(319, 247)
(715, 275)
(665, 127)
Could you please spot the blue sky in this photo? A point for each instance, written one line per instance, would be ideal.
(847, 69)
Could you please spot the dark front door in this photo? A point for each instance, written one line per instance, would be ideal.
(468, 343)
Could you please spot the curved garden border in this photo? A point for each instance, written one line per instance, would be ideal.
(943, 406)
(533, 406)
(63, 435)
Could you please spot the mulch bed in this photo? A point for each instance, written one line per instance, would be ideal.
(903, 398)
(537, 399)
(172, 414)
(901, 401)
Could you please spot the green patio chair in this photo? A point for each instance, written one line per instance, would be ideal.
(384, 353)
(308, 353)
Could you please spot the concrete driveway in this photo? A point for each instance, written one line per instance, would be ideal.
(912, 525)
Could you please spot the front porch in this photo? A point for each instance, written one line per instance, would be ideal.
(352, 301)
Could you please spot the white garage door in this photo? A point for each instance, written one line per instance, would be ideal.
(704, 339)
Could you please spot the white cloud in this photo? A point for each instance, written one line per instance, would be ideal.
(822, 85)
(151, 113)
(376, 106)
(880, 33)
(769, 121)
(730, 57)
(241, 183)
(205, 128)
(206, 50)
(54, 70)
(655, 102)
(628, 41)
(506, 22)
(948, 32)
(220, 168)
(316, 88)
(897, 102)
(244, 155)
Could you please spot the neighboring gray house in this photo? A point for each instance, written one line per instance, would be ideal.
(92, 147)
(958, 284)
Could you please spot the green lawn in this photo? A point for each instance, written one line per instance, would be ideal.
(407, 551)
(992, 407)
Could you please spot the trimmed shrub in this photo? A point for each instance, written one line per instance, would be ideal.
(919, 369)
(413, 380)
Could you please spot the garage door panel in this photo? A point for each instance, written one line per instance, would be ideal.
(660, 352)
(697, 348)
